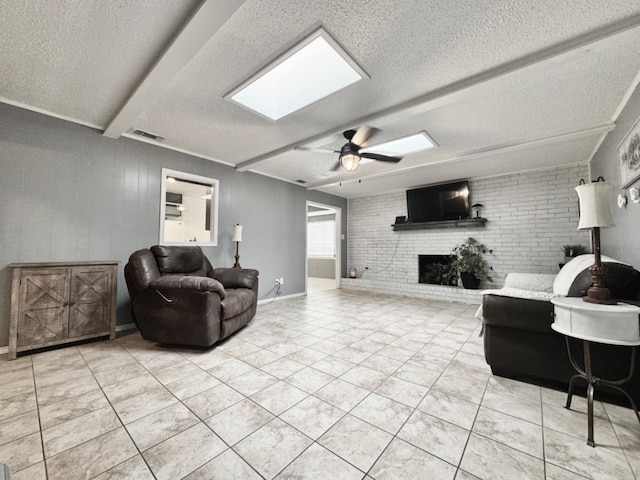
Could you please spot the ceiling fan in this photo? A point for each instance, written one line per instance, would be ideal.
(350, 153)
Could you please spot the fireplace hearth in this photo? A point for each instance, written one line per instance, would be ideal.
(435, 270)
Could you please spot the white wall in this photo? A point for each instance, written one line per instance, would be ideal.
(530, 217)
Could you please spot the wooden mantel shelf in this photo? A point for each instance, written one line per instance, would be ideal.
(465, 223)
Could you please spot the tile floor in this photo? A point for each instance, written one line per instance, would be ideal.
(337, 385)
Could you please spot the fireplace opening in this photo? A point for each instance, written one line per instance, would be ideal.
(436, 270)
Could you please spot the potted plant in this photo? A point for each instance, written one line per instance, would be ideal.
(470, 263)
(571, 251)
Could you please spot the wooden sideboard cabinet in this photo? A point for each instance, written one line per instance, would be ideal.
(61, 302)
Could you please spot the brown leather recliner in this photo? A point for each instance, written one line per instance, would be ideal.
(177, 297)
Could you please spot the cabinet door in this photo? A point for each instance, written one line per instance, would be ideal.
(44, 306)
(90, 301)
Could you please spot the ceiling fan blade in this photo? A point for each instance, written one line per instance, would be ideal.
(319, 150)
(363, 134)
(380, 157)
(336, 166)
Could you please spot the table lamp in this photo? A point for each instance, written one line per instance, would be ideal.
(595, 213)
(237, 237)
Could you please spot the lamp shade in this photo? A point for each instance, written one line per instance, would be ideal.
(350, 161)
(237, 233)
(595, 205)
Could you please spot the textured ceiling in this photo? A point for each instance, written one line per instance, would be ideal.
(501, 86)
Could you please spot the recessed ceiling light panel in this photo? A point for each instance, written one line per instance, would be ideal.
(312, 70)
(403, 146)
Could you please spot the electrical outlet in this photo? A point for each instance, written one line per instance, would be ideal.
(281, 280)
(277, 281)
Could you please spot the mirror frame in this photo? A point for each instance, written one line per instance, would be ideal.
(215, 185)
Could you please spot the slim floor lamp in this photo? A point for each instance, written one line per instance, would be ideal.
(237, 237)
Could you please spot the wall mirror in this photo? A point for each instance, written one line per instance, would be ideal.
(188, 209)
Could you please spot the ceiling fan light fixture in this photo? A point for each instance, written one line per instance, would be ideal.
(350, 161)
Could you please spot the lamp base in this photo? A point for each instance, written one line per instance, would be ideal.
(601, 296)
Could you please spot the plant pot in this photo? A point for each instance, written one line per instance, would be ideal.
(469, 280)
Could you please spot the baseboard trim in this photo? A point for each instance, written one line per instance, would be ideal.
(282, 297)
(125, 326)
(4, 350)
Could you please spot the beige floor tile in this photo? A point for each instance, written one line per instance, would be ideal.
(333, 366)
(442, 439)
(575, 455)
(252, 382)
(403, 460)
(485, 458)
(18, 404)
(309, 379)
(518, 434)
(341, 394)
(279, 397)
(34, 472)
(407, 393)
(22, 453)
(183, 453)
(452, 409)
(358, 442)
(93, 457)
(227, 465)
(382, 412)
(282, 367)
(272, 447)
(312, 416)
(237, 421)
(320, 464)
(212, 401)
(143, 404)
(66, 435)
(119, 374)
(63, 390)
(56, 413)
(133, 469)
(364, 377)
(158, 426)
(177, 371)
(18, 426)
(192, 385)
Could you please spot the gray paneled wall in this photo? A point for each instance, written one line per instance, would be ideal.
(68, 193)
(623, 240)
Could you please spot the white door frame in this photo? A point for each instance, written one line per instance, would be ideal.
(338, 260)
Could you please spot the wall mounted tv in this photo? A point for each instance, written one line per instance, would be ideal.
(447, 201)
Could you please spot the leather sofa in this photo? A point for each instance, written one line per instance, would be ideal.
(519, 342)
(177, 297)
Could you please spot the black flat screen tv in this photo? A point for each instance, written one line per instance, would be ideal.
(447, 201)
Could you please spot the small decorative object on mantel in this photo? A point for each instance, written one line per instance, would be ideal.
(634, 193)
(622, 200)
(237, 237)
(353, 273)
(595, 213)
(476, 208)
(629, 156)
(470, 262)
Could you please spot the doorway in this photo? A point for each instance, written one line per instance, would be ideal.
(324, 231)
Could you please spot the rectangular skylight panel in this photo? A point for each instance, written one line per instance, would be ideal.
(314, 70)
(403, 146)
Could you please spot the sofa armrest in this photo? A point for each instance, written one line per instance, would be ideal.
(188, 282)
(236, 277)
(517, 313)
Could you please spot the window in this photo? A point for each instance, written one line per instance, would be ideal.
(321, 238)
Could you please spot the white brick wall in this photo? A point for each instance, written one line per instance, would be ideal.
(530, 217)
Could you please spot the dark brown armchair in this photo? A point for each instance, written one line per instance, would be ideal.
(177, 297)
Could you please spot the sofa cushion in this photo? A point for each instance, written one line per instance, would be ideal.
(536, 282)
(236, 277)
(187, 260)
(237, 301)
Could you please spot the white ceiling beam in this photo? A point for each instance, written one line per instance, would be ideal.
(448, 93)
(495, 149)
(203, 25)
